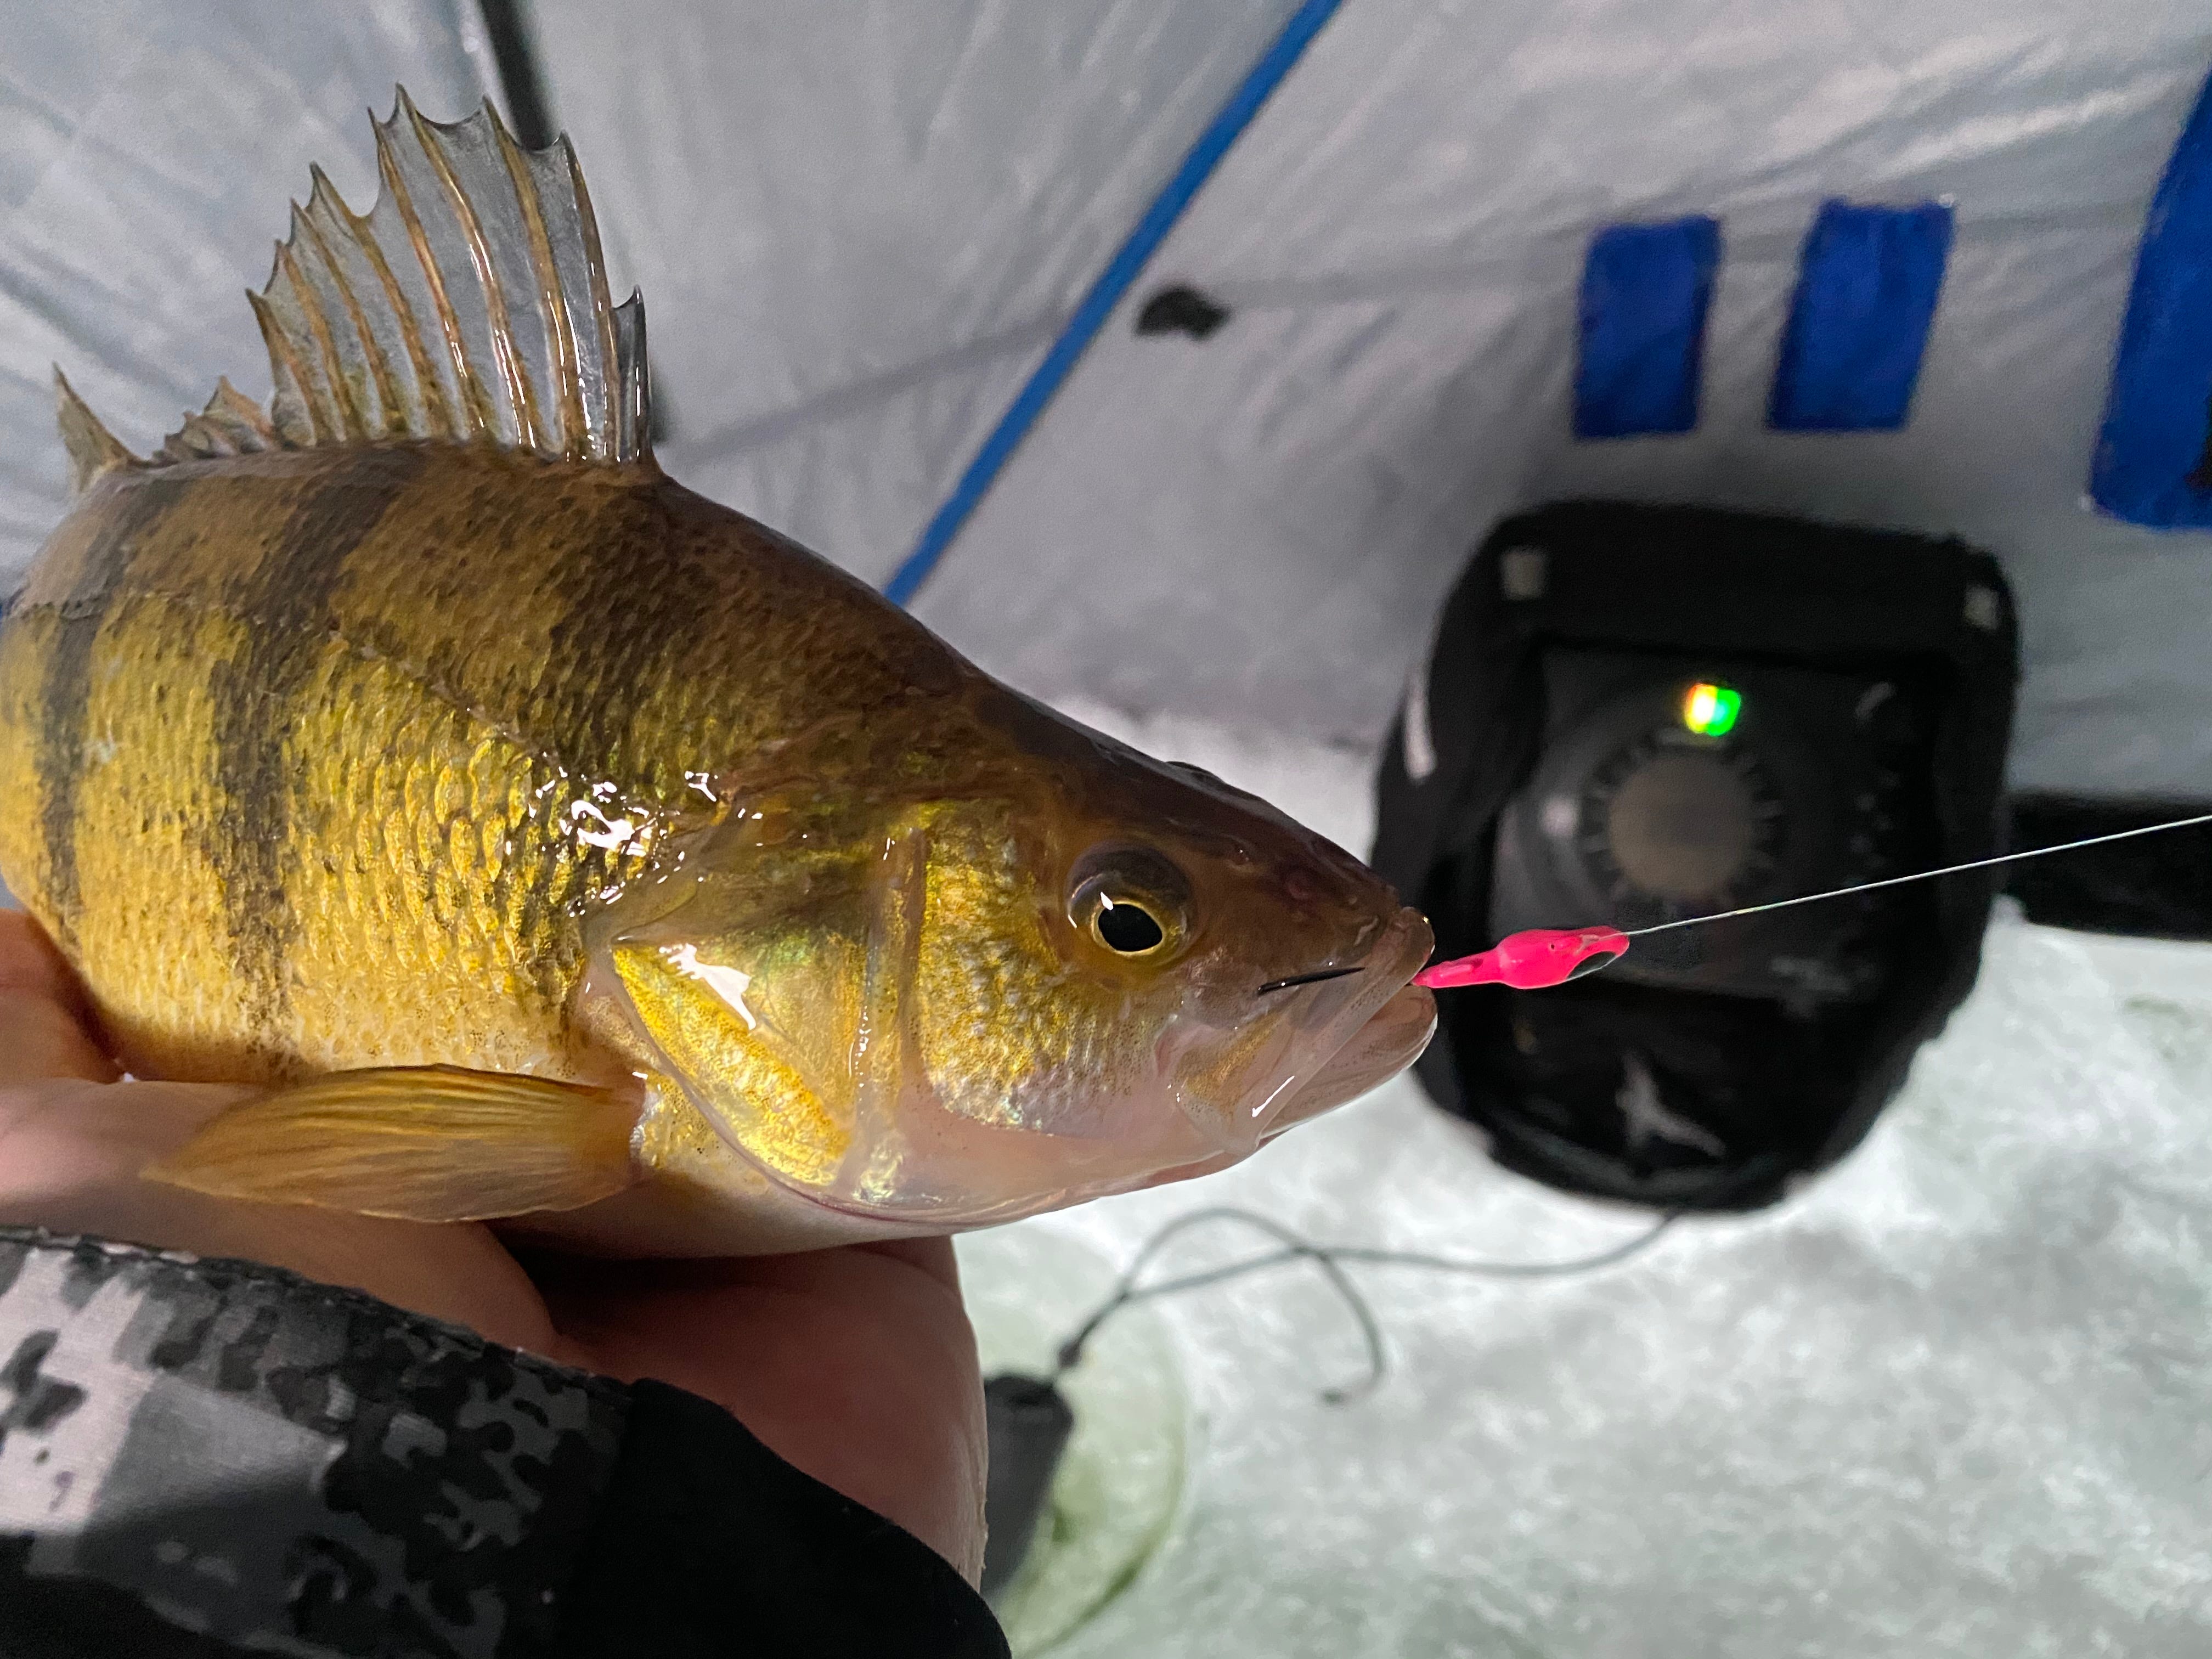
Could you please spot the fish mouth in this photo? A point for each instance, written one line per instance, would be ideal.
(1393, 1037)
(1357, 1027)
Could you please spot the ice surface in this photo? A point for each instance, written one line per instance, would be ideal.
(1120, 1479)
(1950, 1399)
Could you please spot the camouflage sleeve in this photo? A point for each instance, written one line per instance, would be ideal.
(204, 1458)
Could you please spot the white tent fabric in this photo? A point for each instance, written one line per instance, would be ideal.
(859, 227)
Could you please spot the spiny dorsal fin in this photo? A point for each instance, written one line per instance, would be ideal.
(231, 424)
(470, 304)
(93, 449)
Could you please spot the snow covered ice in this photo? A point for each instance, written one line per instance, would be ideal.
(1951, 1398)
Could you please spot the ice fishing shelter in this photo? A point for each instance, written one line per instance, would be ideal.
(1465, 257)
(861, 229)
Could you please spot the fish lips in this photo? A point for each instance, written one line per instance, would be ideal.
(1394, 1037)
(1344, 1036)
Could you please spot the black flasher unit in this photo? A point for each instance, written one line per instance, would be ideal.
(1631, 714)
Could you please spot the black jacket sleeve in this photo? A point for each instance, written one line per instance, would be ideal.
(203, 1459)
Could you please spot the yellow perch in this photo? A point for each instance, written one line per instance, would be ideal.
(557, 845)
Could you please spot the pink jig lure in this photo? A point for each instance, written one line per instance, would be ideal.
(1544, 957)
(1530, 961)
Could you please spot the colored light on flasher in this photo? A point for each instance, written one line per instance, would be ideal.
(1711, 710)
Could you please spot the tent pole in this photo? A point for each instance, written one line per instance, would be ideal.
(1105, 293)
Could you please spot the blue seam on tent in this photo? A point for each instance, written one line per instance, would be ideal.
(1646, 292)
(2154, 460)
(1105, 293)
(1867, 282)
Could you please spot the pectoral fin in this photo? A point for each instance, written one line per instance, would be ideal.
(426, 1143)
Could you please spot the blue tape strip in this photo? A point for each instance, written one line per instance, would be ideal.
(1646, 292)
(1105, 293)
(2154, 461)
(1867, 285)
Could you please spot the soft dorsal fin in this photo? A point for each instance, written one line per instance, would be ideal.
(470, 304)
(93, 449)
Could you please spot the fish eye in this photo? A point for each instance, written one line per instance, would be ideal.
(1131, 900)
(1128, 927)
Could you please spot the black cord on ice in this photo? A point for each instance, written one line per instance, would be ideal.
(1329, 1258)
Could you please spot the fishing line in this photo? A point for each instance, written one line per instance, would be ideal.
(1920, 875)
(1536, 958)
(1330, 1258)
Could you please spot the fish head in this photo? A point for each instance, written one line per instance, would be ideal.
(1072, 971)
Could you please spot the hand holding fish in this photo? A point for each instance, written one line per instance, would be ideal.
(854, 1364)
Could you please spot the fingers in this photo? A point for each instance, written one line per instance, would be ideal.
(44, 1022)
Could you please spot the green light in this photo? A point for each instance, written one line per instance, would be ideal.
(1711, 710)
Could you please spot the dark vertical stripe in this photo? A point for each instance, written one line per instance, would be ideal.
(628, 601)
(65, 691)
(256, 697)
